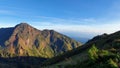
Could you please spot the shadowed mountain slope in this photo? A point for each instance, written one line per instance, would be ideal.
(103, 51)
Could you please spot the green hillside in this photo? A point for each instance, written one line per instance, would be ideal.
(100, 52)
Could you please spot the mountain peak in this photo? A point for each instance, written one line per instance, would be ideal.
(25, 40)
(22, 24)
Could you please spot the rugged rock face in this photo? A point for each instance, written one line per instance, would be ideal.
(24, 40)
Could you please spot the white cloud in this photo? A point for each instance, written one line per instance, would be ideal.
(89, 20)
(5, 25)
(56, 20)
(8, 12)
(77, 29)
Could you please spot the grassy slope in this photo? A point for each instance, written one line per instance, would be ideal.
(70, 61)
(106, 42)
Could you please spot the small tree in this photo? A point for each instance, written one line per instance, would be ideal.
(112, 64)
(93, 53)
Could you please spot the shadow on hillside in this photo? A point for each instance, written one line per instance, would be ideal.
(21, 62)
(5, 33)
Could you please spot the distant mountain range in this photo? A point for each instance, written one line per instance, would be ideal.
(80, 39)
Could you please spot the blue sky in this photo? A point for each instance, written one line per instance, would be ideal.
(80, 18)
